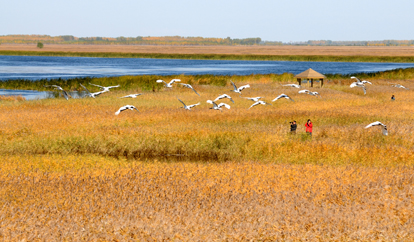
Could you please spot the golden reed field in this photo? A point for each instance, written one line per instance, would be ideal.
(228, 50)
(73, 170)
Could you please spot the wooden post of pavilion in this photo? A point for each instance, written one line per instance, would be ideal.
(310, 75)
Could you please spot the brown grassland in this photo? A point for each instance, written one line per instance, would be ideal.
(72, 170)
(12, 98)
(227, 50)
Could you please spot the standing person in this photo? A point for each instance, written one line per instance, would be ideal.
(309, 126)
(392, 97)
(293, 127)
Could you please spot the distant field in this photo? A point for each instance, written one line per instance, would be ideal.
(284, 53)
(229, 50)
(72, 170)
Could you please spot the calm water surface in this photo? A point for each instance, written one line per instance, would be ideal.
(40, 67)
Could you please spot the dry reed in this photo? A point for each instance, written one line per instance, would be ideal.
(94, 198)
(12, 98)
(224, 50)
(72, 170)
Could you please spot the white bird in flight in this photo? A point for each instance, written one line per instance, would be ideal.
(309, 92)
(65, 94)
(218, 106)
(259, 102)
(238, 90)
(126, 107)
(189, 106)
(189, 86)
(314, 94)
(292, 85)
(132, 95)
(223, 96)
(170, 83)
(254, 99)
(106, 89)
(283, 96)
(377, 123)
(94, 94)
(398, 86)
(359, 81)
(359, 84)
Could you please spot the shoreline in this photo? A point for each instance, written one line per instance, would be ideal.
(316, 58)
(146, 82)
(396, 54)
(225, 50)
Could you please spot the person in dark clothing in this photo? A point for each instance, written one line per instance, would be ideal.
(293, 127)
(392, 98)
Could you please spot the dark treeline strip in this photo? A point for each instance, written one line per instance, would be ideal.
(147, 82)
(139, 40)
(322, 58)
(180, 41)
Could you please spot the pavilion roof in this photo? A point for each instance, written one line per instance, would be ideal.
(310, 73)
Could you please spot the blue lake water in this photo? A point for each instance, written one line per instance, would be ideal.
(41, 67)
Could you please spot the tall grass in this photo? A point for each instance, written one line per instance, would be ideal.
(72, 170)
(162, 129)
(12, 98)
(400, 59)
(93, 198)
(142, 82)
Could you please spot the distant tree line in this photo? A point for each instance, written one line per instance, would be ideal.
(139, 40)
(354, 43)
(178, 40)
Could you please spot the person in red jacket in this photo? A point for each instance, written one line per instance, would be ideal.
(309, 126)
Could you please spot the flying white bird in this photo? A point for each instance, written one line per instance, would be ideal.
(283, 96)
(292, 85)
(65, 94)
(254, 99)
(170, 83)
(218, 107)
(126, 107)
(189, 106)
(377, 123)
(132, 95)
(238, 90)
(223, 96)
(259, 102)
(398, 86)
(359, 81)
(359, 84)
(309, 92)
(94, 94)
(106, 89)
(189, 86)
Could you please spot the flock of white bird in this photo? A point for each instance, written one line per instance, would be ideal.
(216, 106)
(362, 83)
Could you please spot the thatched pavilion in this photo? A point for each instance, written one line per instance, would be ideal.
(310, 75)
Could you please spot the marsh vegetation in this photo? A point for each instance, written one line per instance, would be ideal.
(252, 57)
(73, 170)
